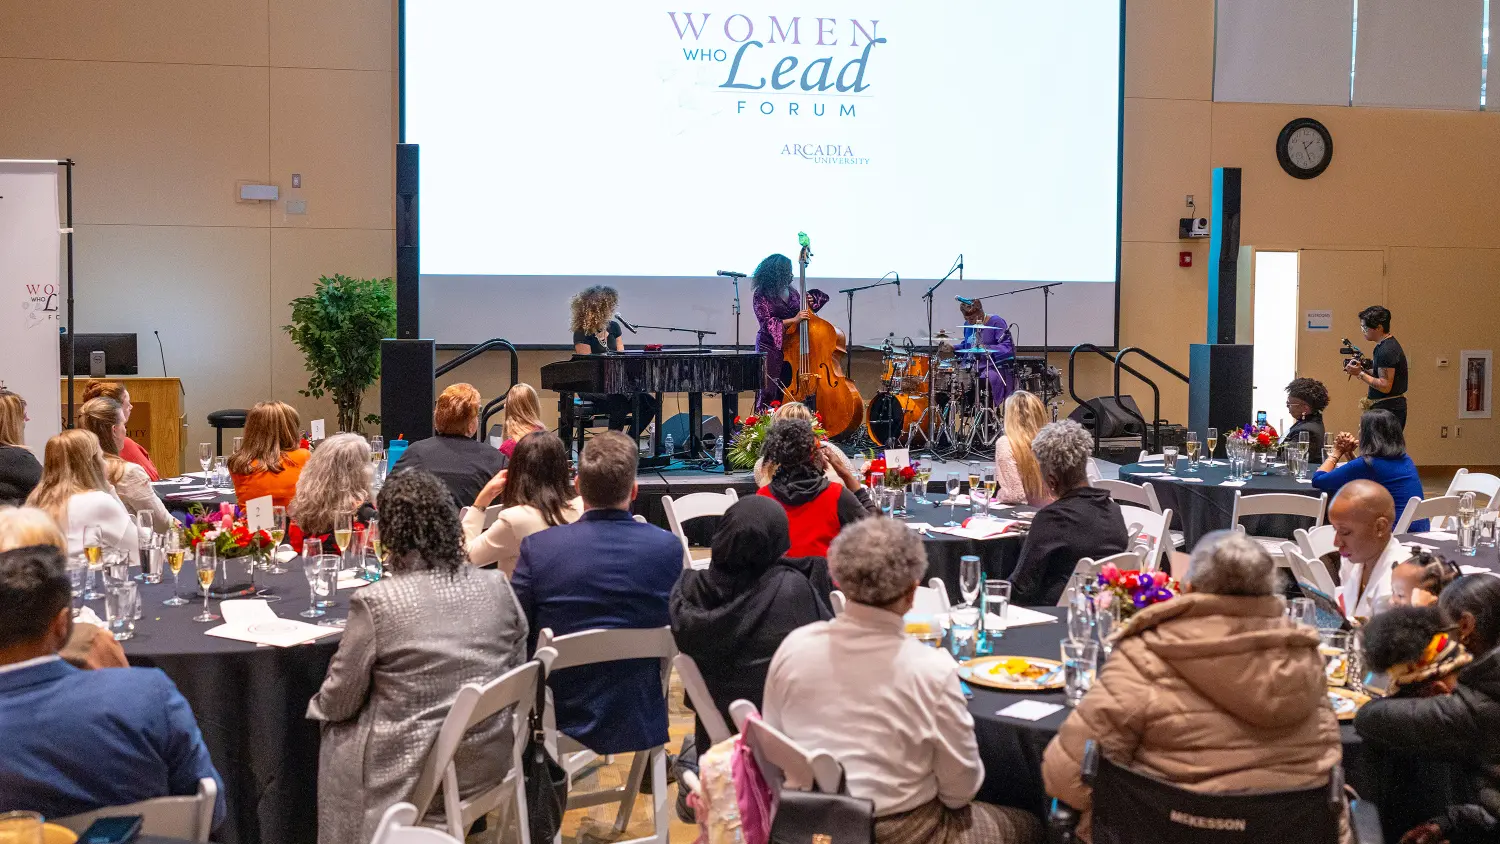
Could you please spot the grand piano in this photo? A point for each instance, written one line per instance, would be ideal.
(692, 371)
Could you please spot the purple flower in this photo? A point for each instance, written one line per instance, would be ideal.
(1163, 594)
(1140, 599)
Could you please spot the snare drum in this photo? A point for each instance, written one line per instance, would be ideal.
(893, 367)
(918, 370)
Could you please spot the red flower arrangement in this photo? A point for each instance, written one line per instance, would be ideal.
(1134, 590)
(1262, 438)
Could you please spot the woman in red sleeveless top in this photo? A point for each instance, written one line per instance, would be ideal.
(816, 508)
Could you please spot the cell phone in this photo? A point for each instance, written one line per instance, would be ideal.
(1260, 417)
(115, 830)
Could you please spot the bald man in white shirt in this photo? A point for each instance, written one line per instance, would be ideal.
(1362, 514)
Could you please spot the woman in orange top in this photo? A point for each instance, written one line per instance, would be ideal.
(269, 460)
(131, 451)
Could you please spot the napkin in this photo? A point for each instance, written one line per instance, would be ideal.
(350, 579)
(1475, 570)
(1439, 535)
(285, 554)
(252, 620)
(88, 616)
(1029, 710)
(1232, 483)
(920, 527)
(982, 529)
(1189, 480)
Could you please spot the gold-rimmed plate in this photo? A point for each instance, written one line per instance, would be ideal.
(1346, 703)
(1006, 672)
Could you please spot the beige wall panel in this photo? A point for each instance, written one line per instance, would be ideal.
(1398, 177)
(204, 288)
(298, 258)
(1347, 281)
(156, 144)
(226, 32)
(1166, 158)
(1442, 302)
(347, 34)
(1169, 49)
(333, 127)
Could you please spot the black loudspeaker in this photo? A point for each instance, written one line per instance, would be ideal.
(408, 240)
(1108, 414)
(1224, 256)
(1220, 381)
(406, 388)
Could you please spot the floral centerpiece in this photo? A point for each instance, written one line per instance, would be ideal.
(745, 447)
(1133, 590)
(1261, 439)
(899, 478)
(226, 528)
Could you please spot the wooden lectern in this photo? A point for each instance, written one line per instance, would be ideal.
(155, 416)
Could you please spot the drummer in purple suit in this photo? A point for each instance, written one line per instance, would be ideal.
(997, 367)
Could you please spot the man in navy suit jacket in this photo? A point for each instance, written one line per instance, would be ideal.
(604, 571)
(79, 740)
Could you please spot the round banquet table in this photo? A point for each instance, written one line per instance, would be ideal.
(1487, 558)
(1200, 503)
(250, 702)
(997, 557)
(1011, 748)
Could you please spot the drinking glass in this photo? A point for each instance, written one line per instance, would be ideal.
(991, 485)
(968, 578)
(1468, 526)
(1329, 438)
(898, 501)
(277, 532)
(1302, 611)
(238, 441)
(93, 552)
(1335, 651)
(312, 564)
(1080, 616)
(377, 444)
(1106, 622)
(121, 600)
(21, 828)
(145, 529)
(924, 477)
(116, 566)
(176, 550)
(377, 548)
(975, 478)
(76, 569)
(205, 457)
(1080, 659)
(1488, 528)
(887, 501)
(343, 531)
(1169, 459)
(156, 562)
(955, 486)
(1213, 443)
(207, 564)
(1190, 445)
(963, 633)
(328, 596)
(221, 472)
(996, 606)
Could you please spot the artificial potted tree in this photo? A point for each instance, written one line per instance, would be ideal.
(338, 328)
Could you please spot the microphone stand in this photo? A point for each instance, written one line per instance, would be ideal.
(958, 267)
(736, 280)
(698, 331)
(1046, 324)
(850, 291)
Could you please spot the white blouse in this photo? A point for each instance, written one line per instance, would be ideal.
(134, 491)
(500, 543)
(116, 528)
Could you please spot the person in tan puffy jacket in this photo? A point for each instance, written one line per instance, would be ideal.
(1213, 691)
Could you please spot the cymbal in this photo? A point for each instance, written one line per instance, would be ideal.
(978, 351)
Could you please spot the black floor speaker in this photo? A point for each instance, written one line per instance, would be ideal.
(1221, 378)
(406, 388)
(1112, 419)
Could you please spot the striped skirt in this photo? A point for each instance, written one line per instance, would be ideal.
(977, 823)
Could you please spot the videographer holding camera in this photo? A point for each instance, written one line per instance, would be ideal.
(1385, 370)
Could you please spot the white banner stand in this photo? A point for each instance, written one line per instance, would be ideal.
(32, 295)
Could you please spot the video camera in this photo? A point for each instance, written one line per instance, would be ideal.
(1351, 352)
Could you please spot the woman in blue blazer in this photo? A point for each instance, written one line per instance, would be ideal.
(1381, 458)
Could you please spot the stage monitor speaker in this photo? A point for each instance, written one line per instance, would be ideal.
(1224, 257)
(1220, 382)
(408, 242)
(406, 388)
(1108, 414)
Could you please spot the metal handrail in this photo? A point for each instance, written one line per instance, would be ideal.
(1072, 391)
(476, 351)
(495, 405)
(1155, 423)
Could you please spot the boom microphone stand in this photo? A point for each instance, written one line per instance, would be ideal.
(849, 338)
(932, 426)
(1046, 324)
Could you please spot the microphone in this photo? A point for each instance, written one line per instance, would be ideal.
(628, 326)
(898, 284)
(163, 353)
(731, 274)
(963, 300)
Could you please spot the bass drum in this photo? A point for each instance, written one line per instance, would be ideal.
(890, 415)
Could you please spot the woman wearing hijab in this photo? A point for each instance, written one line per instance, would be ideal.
(731, 617)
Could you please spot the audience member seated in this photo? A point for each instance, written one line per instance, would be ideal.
(131, 451)
(1382, 458)
(90, 646)
(335, 482)
(104, 418)
(1461, 729)
(1187, 696)
(1082, 522)
(461, 462)
(535, 494)
(604, 571)
(817, 509)
(1418, 580)
(1306, 399)
(731, 617)
(19, 469)
(1016, 470)
(523, 415)
(82, 740)
(831, 453)
(908, 744)
(270, 458)
(75, 492)
(1362, 514)
(412, 641)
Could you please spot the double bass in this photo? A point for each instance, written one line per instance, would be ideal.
(813, 352)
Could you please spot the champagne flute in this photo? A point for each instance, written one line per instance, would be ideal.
(377, 547)
(955, 484)
(207, 563)
(975, 479)
(312, 565)
(1190, 445)
(968, 578)
(93, 552)
(176, 550)
(277, 533)
(991, 486)
(1213, 442)
(343, 532)
(205, 456)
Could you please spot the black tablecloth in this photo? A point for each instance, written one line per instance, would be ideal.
(1012, 748)
(1486, 558)
(1198, 508)
(997, 557)
(250, 702)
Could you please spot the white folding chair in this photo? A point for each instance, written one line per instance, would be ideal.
(592, 647)
(491, 513)
(1153, 528)
(396, 827)
(1315, 543)
(190, 818)
(931, 599)
(1418, 509)
(838, 600)
(1141, 495)
(639, 518)
(1127, 560)
(1309, 570)
(475, 703)
(693, 506)
(1481, 482)
(1276, 504)
(784, 763)
(703, 702)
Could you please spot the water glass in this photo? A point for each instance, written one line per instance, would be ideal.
(76, 570)
(312, 569)
(1488, 528)
(221, 473)
(887, 501)
(1106, 622)
(328, 579)
(969, 572)
(1080, 659)
(954, 487)
(155, 561)
(1080, 616)
(963, 633)
(1169, 459)
(21, 828)
(1335, 651)
(122, 600)
(1302, 611)
(996, 607)
(1468, 531)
